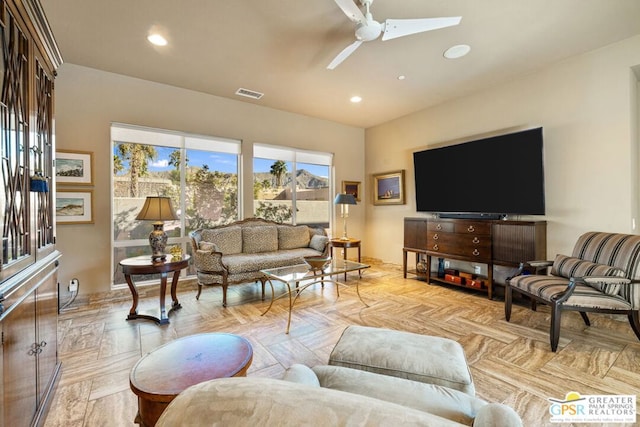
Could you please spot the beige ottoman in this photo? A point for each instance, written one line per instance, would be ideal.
(428, 359)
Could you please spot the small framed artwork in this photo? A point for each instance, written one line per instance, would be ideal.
(351, 187)
(74, 207)
(388, 188)
(74, 167)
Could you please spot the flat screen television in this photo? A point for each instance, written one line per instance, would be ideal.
(489, 177)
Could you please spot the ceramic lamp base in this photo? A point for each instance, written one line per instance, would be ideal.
(158, 242)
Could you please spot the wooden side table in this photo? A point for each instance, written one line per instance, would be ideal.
(345, 244)
(145, 265)
(159, 376)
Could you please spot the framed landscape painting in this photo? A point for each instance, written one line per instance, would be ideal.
(74, 167)
(74, 207)
(388, 188)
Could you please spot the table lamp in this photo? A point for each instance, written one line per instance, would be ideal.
(344, 200)
(158, 209)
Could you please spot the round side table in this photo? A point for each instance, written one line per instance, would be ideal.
(145, 265)
(159, 376)
(345, 244)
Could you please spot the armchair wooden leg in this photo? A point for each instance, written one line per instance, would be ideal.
(199, 290)
(635, 322)
(554, 332)
(507, 302)
(585, 318)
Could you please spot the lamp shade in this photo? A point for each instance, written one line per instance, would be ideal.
(344, 199)
(157, 208)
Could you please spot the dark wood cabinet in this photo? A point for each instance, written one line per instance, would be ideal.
(29, 364)
(490, 242)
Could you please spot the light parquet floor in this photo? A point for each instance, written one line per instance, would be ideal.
(510, 362)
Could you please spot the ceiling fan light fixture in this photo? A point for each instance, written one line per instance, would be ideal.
(457, 51)
(157, 39)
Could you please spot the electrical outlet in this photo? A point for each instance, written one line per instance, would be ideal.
(73, 285)
(477, 269)
(447, 264)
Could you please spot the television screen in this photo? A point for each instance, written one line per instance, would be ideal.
(497, 175)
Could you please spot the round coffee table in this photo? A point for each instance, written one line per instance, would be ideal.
(159, 376)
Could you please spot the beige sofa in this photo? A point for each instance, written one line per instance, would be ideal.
(235, 253)
(331, 396)
(375, 377)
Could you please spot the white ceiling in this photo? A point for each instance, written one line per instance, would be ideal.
(282, 48)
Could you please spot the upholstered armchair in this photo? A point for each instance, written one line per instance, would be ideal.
(601, 276)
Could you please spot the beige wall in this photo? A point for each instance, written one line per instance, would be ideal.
(88, 101)
(585, 105)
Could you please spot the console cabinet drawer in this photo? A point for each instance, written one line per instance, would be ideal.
(473, 228)
(465, 245)
(441, 226)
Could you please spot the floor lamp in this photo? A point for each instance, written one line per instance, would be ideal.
(344, 200)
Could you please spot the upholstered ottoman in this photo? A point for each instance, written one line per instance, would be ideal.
(422, 358)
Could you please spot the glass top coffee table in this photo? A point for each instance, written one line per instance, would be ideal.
(299, 277)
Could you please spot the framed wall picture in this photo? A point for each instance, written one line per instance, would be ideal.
(74, 167)
(388, 188)
(74, 207)
(351, 187)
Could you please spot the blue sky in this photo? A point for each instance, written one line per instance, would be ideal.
(222, 162)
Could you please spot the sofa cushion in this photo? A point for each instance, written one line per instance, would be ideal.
(318, 242)
(566, 266)
(228, 239)
(548, 287)
(438, 400)
(259, 239)
(290, 237)
(241, 263)
(422, 358)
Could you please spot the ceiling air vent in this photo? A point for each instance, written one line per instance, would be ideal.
(249, 93)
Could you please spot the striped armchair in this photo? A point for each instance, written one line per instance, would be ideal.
(601, 276)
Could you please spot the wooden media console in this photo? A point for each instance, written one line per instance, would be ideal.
(490, 242)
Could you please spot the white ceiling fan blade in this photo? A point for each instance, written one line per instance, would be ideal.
(344, 54)
(352, 11)
(394, 28)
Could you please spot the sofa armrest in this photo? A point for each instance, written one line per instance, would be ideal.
(497, 415)
(208, 261)
(609, 280)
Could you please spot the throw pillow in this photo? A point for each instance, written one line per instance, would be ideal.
(566, 266)
(208, 246)
(318, 242)
(290, 237)
(228, 239)
(259, 239)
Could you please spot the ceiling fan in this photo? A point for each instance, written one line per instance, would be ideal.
(367, 29)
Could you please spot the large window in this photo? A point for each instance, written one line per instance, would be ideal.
(291, 185)
(199, 174)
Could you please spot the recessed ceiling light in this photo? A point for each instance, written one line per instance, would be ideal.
(457, 51)
(157, 40)
(356, 99)
(401, 77)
